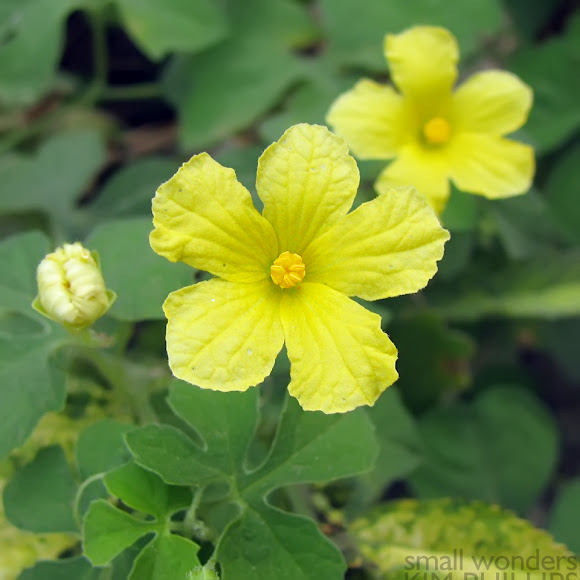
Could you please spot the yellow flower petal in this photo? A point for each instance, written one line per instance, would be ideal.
(427, 171)
(373, 120)
(386, 247)
(495, 102)
(423, 62)
(340, 357)
(204, 217)
(223, 335)
(307, 182)
(491, 166)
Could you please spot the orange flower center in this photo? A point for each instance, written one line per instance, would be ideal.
(437, 131)
(287, 270)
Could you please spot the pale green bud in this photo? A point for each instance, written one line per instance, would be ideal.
(71, 289)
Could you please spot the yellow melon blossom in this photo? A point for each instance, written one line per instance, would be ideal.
(433, 132)
(285, 276)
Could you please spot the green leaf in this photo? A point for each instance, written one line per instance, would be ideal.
(362, 44)
(26, 72)
(141, 278)
(225, 421)
(139, 489)
(550, 68)
(20, 256)
(101, 447)
(547, 287)
(308, 447)
(314, 447)
(129, 191)
(502, 448)
(107, 531)
(167, 557)
(525, 224)
(55, 178)
(460, 539)
(70, 569)
(39, 497)
(30, 373)
(562, 188)
(434, 360)
(174, 26)
(566, 515)
(238, 80)
(172, 454)
(268, 543)
(461, 212)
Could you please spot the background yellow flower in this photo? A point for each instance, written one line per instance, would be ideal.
(285, 276)
(434, 133)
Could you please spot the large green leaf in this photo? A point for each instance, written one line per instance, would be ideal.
(40, 496)
(502, 448)
(242, 77)
(356, 36)
(546, 287)
(140, 277)
(30, 373)
(174, 25)
(550, 69)
(25, 71)
(455, 539)
(308, 447)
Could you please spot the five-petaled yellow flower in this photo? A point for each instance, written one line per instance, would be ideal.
(435, 133)
(284, 276)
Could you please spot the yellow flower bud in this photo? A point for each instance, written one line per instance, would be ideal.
(71, 289)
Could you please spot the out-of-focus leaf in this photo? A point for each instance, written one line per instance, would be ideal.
(547, 287)
(434, 360)
(55, 178)
(70, 569)
(459, 540)
(551, 70)
(40, 496)
(400, 448)
(461, 212)
(502, 448)
(566, 515)
(562, 192)
(242, 77)
(525, 224)
(174, 25)
(140, 277)
(356, 36)
(560, 338)
(25, 71)
(129, 192)
(31, 377)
